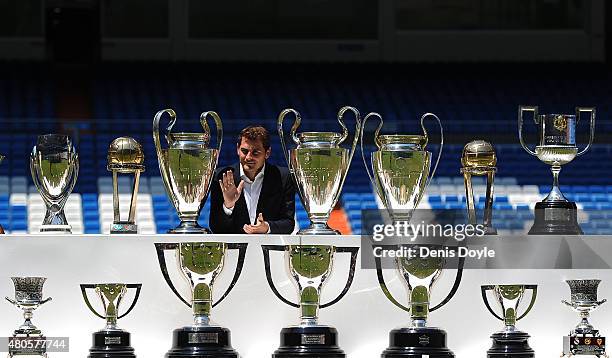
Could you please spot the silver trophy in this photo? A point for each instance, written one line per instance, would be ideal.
(309, 266)
(584, 339)
(557, 147)
(54, 165)
(401, 167)
(319, 166)
(187, 168)
(28, 297)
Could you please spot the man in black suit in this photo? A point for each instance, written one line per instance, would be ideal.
(253, 196)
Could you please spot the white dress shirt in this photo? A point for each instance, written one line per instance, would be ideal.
(251, 190)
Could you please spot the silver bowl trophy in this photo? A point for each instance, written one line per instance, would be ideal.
(509, 342)
(319, 166)
(478, 158)
(28, 297)
(111, 341)
(419, 275)
(54, 165)
(401, 167)
(309, 266)
(584, 339)
(557, 146)
(187, 168)
(125, 156)
(200, 263)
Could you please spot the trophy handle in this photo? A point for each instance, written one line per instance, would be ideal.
(266, 256)
(353, 251)
(11, 300)
(161, 257)
(358, 130)
(241, 247)
(84, 288)
(294, 127)
(534, 293)
(218, 124)
(523, 109)
(383, 285)
(484, 290)
(568, 303)
(138, 287)
(591, 110)
(433, 172)
(376, 140)
(45, 301)
(157, 141)
(455, 285)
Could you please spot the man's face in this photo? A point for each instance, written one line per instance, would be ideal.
(252, 155)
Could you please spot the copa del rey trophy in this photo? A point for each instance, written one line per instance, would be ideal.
(584, 339)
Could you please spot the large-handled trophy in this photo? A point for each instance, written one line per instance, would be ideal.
(419, 274)
(112, 341)
(319, 165)
(584, 339)
(309, 266)
(187, 168)
(509, 342)
(28, 297)
(555, 214)
(200, 263)
(54, 165)
(478, 158)
(125, 156)
(401, 167)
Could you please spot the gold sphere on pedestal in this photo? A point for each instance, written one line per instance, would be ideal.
(125, 154)
(478, 154)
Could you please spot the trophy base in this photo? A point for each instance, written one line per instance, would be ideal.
(510, 345)
(189, 227)
(28, 341)
(584, 344)
(309, 342)
(57, 229)
(415, 342)
(111, 344)
(555, 218)
(201, 342)
(318, 229)
(123, 227)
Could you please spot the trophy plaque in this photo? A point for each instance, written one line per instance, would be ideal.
(54, 165)
(200, 263)
(555, 214)
(28, 297)
(584, 339)
(111, 341)
(419, 274)
(187, 167)
(401, 167)
(478, 158)
(319, 166)
(125, 156)
(509, 342)
(309, 267)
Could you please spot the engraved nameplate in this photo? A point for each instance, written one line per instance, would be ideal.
(584, 345)
(112, 340)
(556, 214)
(209, 337)
(313, 339)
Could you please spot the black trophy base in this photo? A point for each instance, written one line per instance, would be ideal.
(555, 218)
(111, 344)
(415, 342)
(202, 342)
(309, 342)
(510, 345)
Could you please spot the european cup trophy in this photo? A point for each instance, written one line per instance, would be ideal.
(125, 156)
(54, 165)
(187, 168)
(419, 275)
(401, 167)
(584, 339)
(478, 158)
(200, 263)
(319, 166)
(557, 146)
(309, 267)
(111, 341)
(509, 342)
(28, 297)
